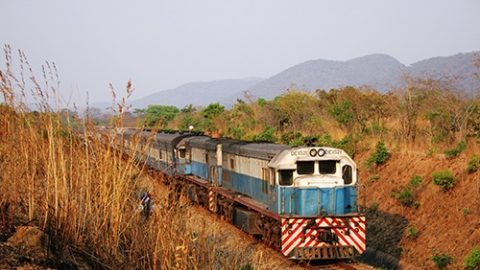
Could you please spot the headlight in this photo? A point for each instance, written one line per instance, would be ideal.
(321, 153)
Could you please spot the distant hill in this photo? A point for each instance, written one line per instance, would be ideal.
(197, 93)
(379, 70)
(323, 74)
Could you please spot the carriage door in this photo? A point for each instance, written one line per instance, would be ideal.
(212, 175)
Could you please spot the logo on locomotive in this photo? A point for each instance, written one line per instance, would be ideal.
(316, 152)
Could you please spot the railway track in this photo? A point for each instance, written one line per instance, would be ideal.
(332, 266)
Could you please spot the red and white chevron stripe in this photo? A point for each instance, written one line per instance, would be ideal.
(350, 232)
(211, 200)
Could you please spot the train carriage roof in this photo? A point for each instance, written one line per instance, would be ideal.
(170, 138)
(255, 149)
(242, 148)
(203, 142)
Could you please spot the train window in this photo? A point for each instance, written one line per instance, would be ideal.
(305, 167)
(347, 174)
(272, 177)
(265, 180)
(286, 177)
(232, 164)
(160, 154)
(264, 174)
(328, 166)
(182, 152)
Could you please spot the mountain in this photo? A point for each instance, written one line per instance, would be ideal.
(378, 70)
(323, 74)
(196, 93)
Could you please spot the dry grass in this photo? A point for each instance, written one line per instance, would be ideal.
(86, 195)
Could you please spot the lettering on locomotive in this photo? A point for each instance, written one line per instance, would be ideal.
(314, 152)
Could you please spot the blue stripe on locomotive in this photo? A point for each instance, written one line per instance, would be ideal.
(314, 201)
(247, 185)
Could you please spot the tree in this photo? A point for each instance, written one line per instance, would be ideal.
(158, 115)
(408, 105)
(214, 115)
(296, 108)
(212, 111)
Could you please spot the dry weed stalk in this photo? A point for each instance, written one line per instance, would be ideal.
(56, 172)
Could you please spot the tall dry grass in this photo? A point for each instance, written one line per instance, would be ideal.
(56, 173)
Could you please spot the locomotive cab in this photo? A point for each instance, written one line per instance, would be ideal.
(314, 181)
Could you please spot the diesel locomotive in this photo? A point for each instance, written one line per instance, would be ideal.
(305, 201)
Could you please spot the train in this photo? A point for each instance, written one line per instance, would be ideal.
(305, 201)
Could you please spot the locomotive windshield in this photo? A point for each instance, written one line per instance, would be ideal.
(286, 177)
(328, 167)
(305, 167)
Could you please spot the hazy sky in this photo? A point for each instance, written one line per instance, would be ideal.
(160, 45)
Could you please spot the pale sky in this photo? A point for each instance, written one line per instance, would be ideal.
(161, 45)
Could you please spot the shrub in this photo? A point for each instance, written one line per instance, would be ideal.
(405, 196)
(416, 205)
(267, 135)
(473, 164)
(415, 181)
(379, 157)
(453, 153)
(444, 179)
(292, 138)
(442, 261)
(472, 260)
(374, 178)
(413, 232)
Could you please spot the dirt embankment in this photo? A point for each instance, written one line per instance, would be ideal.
(439, 222)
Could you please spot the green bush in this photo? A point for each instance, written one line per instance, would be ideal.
(415, 181)
(374, 178)
(453, 153)
(444, 179)
(413, 232)
(405, 196)
(267, 135)
(473, 164)
(416, 205)
(293, 138)
(472, 260)
(379, 157)
(442, 261)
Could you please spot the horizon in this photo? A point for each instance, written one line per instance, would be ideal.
(163, 45)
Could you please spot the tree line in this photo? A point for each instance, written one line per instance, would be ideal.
(427, 110)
